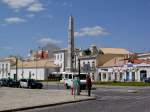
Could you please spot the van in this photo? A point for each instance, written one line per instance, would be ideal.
(68, 79)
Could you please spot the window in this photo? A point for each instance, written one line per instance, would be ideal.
(89, 64)
(83, 63)
(66, 76)
(115, 76)
(55, 57)
(133, 76)
(121, 76)
(93, 65)
(6, 67)
(82, 76)
(70, 76)
(104, 75)
(58, 57)
(23, 80)
(61, 56)
(100, 76)
(2, 68)
(109, 76)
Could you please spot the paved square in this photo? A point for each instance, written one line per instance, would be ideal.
(14, 98)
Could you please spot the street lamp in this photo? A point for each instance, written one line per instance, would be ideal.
(16, 75)
(79, 70)
(46, 71)
(22, 61)
(35, 59)
(36, 67)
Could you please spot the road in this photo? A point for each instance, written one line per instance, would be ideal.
(114, 99)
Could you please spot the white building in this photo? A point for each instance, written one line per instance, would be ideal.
(125, 72)
(100, 61)
(4, 68)
(88, 65)
(35, 69)
(112, 68)
(145, 56)
(60, 59)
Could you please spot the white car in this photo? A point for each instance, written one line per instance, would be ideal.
(68, 80)
(30, 83)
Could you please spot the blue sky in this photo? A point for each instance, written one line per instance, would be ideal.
(28, 24)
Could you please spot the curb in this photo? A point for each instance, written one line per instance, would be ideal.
(47, 105)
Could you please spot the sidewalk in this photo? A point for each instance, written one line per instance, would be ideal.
(12, 99)
(52, 83)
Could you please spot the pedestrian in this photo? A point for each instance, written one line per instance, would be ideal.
(75, 85)
(88, 85)
(72, 88)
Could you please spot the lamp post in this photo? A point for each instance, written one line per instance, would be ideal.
(79, 70)
(36, 67)
(36, 57)
(22, 61)
(46, 71)
(16, 68)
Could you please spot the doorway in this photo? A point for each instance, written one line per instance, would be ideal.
(143, 75)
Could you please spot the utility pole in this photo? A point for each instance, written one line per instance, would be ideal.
(79, 66)
(16, 68)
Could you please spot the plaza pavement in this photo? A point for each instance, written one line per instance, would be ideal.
(12, 99)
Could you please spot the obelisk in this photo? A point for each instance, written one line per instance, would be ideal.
(70, 52)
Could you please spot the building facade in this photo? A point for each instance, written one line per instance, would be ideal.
(4, 68)
(60, 59)
(13, 67)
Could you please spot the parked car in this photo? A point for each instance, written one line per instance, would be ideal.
(30, 83)
(8, 82)
(3, 82)
(13, 83)
(147, 80)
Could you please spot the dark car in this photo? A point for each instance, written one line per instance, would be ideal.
(13, 83)
(3, 82)
(8, 82)
(30, 83)
(147, 80)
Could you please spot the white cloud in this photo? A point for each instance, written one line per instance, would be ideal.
(30, 5)
(65, 4)
(13, 20)
(36, 7)
(45, 41)
(16, 4)
(91, 31)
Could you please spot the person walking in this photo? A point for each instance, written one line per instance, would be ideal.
(88, 85)
(75, 86)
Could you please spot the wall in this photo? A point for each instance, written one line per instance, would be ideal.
(38, 74)
(4, 69)
(59, 59)
(35, 74)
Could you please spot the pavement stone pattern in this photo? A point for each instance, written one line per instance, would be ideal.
(108, 99)
(17, 98)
